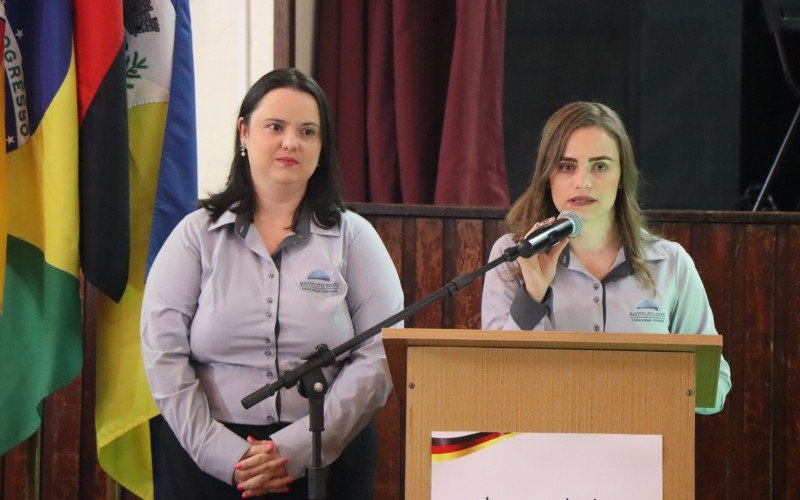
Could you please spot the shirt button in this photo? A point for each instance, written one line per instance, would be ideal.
(269, 315)
(268, 341)
(271, 275)
(596, 328)
(269, 300)
(596, 286)
(269, 374)
(596, 300)
(267, 352)
(270, 419)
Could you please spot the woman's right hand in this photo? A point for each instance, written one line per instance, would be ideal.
(539, 270)
(261, 470)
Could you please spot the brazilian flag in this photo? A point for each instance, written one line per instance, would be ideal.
(40, 326)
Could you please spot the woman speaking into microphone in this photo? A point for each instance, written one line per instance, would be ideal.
(615, 269)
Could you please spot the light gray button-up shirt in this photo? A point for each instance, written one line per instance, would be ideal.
(220, 319)
(577, 301)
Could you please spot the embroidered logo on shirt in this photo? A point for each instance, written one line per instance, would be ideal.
(319, 281)
(318, 274)
(648, 304)
(648, 311)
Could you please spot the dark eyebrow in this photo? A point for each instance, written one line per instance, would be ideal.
(283, 122)
(591, 160)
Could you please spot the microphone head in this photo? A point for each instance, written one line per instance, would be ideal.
(577, 222)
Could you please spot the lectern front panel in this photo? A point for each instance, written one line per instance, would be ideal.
(551, 390)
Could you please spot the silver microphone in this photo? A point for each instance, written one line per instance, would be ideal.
(567, 225)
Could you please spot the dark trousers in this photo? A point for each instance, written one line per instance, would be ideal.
(176, 476)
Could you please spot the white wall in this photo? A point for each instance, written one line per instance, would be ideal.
(233, 47)
(304, 35)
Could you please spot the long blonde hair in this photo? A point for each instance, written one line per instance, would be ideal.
(536, 203)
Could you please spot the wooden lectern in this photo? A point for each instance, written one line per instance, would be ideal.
(608, 383)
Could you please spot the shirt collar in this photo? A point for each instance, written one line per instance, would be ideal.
(653, 251)
(243, 222)
(227, 217)
(305, 225)
(622, 267)
(650, 247)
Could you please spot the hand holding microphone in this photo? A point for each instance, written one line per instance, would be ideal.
(542, 245)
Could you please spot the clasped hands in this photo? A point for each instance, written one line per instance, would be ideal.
(261, 470)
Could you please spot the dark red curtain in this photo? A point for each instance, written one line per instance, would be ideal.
(416, 89)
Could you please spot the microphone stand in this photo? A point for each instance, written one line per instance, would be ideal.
(313, 386)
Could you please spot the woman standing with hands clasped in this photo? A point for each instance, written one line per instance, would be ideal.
(615, 276)
(260, 275)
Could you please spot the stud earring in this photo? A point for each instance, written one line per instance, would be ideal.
(242, 150)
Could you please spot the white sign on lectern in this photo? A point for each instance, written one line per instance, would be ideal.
(515, 465)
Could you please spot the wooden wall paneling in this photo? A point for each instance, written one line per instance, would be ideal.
(792, 386)
(388, 473)
(107, 488)
(735, 348)
(408, 277)
(491, 232)
(429, 269)
(391, 232)
(656, 227)
(680, 232)
(712, 251)
(777, 401)
(449, 270)
(469, 256)
(19, 470)
(758, 302)
(34, 458)
(60, 448)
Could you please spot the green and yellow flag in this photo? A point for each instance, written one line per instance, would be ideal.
(40, 329)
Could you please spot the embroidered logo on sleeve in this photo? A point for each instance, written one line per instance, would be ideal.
(320, 282)
(648, 311)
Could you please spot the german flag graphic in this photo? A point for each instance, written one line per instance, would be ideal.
(453, 447)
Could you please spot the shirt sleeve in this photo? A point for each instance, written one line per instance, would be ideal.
(505, 304)
(169, 304)
(692, 314)
(362, 386)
